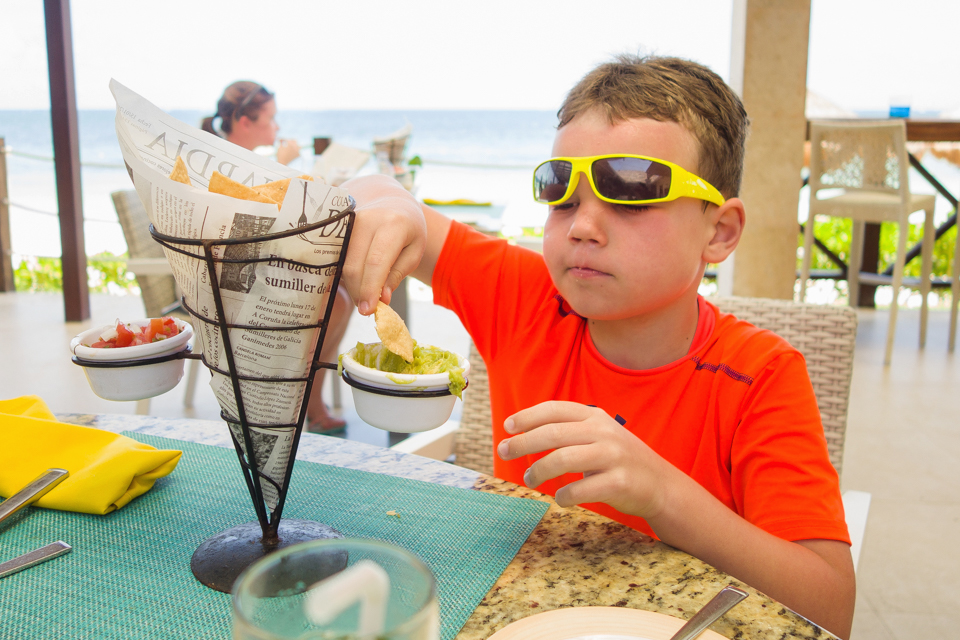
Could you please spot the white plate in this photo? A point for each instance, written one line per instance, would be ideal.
(596, 623)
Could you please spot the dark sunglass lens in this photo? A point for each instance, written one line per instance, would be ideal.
(631, 179)
(550, 180)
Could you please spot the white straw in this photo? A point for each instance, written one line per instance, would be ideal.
(365, 582)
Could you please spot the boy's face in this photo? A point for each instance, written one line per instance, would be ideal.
(614, 262)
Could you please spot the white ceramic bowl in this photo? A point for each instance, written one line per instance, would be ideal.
(398, 413)
(137, 381)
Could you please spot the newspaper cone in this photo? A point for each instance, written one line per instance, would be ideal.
(263, 286)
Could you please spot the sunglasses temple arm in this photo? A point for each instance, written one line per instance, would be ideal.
(699, 188)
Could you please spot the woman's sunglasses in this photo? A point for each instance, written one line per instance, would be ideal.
(620, 179)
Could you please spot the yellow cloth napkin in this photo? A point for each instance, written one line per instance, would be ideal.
(107, 470)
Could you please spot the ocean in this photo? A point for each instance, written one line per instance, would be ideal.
(502, 147)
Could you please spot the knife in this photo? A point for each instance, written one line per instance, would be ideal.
(34, 557)
(36, 489)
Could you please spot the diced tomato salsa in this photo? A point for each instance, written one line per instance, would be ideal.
(130, 336)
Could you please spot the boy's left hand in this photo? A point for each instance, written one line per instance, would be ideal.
(619, 469)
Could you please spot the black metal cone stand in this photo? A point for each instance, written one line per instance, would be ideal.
(220, 559)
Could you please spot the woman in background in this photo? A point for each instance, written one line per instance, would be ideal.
(246, 113)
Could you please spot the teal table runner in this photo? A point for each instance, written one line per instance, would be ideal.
(129, 575)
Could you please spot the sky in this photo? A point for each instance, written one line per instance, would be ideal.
(443, 54)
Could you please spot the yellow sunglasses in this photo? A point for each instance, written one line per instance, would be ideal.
(620, 179)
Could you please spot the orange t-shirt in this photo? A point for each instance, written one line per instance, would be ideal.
(737, 413)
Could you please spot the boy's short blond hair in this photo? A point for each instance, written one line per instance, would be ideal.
(671, 89)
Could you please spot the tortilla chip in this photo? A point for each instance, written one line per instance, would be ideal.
(393, 333)
(305, 177)
(179, 172)
(221, 184)
(277, 189)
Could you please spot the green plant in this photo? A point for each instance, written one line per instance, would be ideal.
(106, 273)
(38, 274)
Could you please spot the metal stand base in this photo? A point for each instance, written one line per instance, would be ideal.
(222, 558)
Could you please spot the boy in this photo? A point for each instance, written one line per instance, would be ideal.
(613, 384)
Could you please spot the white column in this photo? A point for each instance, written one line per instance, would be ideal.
(768, 69)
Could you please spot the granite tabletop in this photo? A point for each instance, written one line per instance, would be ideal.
(573, 558)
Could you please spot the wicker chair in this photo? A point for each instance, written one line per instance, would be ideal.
(473, 443)
(862, 169)
(824, 334)
(159, 292)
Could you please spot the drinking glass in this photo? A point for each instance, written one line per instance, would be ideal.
(283, 595)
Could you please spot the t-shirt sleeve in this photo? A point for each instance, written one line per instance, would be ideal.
(489, 285)
(781, 476)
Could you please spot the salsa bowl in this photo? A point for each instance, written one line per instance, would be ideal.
(135, 372)
(403, 403)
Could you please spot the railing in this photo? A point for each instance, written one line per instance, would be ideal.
(6, 253)
(6, 204)
(869, 262)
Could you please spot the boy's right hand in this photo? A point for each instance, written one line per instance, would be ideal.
(388, 240)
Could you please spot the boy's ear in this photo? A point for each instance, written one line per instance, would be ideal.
(727, 221)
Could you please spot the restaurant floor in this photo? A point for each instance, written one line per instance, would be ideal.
(903, 440)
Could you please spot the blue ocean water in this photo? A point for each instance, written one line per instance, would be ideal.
(513, 140)
(503, 138)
